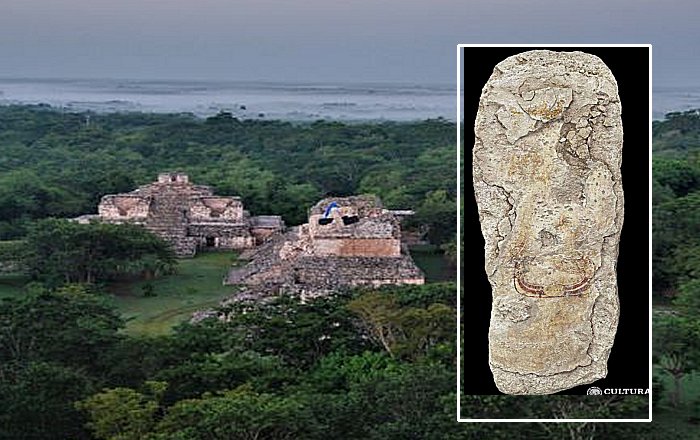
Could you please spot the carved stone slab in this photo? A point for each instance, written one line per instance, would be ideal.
(548, 187)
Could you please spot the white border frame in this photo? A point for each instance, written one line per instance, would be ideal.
(460, 123)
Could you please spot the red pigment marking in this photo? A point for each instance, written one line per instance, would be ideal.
(538, 291)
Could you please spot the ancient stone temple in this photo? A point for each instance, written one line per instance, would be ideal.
(188, 216)
(350, 241)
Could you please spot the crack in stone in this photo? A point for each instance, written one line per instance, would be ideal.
(590, 358)
(511, 211)
(593, 335)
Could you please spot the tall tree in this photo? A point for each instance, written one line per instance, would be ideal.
(122, 413)
(70, 326)
(676, 349)
(60, 252)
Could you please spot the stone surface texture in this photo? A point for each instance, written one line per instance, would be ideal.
(546, 167)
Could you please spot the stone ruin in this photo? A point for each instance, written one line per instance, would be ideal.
(188, 216)
(347, 242)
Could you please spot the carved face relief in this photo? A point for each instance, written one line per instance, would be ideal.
(546, 169)
(563, 206)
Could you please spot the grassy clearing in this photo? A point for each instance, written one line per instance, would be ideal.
(196, 285)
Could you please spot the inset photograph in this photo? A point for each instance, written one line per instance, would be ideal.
(555, 287)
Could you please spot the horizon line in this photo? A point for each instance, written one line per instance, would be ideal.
(230, 81)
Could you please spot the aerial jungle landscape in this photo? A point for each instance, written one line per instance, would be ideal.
(118, 357)
(96, 340)
(181, 184)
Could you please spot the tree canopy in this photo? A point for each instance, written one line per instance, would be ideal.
(61, 252)
(53, 165)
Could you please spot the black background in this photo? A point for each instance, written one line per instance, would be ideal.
(628, 365)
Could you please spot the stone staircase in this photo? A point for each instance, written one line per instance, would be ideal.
(167, 219)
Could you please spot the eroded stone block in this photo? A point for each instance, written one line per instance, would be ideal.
(547, 182)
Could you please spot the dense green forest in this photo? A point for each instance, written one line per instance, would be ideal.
(676, 264)
(364, 364)
(675, 203)
(59, 164)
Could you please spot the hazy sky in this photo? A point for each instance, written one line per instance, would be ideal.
(322, 40)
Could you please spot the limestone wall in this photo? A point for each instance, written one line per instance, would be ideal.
(262, 234)
(379, 225)
(225, 236)
(263, 227)
(185, 246)
(173, 178)
(357, 247)
(361, 230)
(357, 271)
(124, 207)
(216, 208)
(240, 242)
(363, 205)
